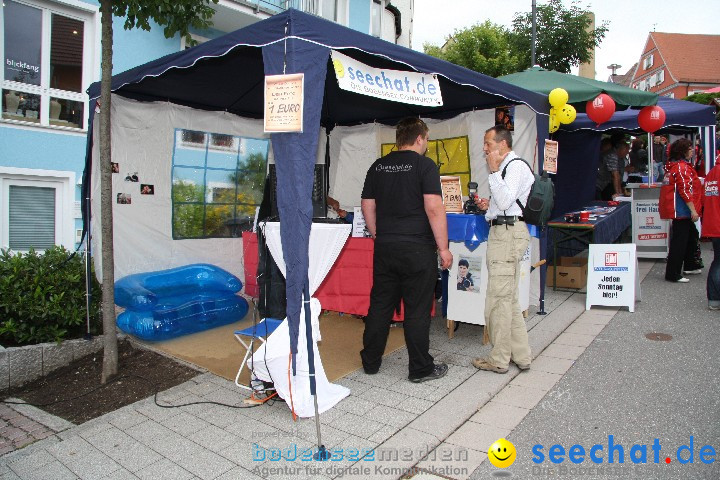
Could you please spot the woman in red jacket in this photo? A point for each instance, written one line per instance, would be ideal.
(683, 234)
(711, 229)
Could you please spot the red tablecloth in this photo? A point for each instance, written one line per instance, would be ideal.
(250, 260)
(346, 287)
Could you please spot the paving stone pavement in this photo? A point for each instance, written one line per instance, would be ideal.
(407, 428)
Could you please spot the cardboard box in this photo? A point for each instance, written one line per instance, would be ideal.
(571, 273)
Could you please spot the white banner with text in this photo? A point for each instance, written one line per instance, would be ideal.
(395, 85)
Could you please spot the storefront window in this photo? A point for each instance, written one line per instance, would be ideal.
(46, 63)
(66, 113)
(23, 43)
(21, 106)
(66, 53)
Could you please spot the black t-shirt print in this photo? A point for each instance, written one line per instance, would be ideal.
(397, 183)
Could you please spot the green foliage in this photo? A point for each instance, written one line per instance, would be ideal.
(485, 48)
(42, 297)
(562, 39)
(176, 16)
(195, 216)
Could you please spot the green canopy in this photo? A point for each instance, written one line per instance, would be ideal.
(579, 89)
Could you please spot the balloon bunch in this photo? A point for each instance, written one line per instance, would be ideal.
(560, 112)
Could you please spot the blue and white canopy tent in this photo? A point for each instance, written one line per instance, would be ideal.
(225, 77)
(580, 145)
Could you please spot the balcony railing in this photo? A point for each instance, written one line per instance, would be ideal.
(307, 6)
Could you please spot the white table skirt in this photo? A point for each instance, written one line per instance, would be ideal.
(271, 361)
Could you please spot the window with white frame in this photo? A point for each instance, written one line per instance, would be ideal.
(48, 58)
(648, 61)
(660, 77)
(376, 12)
(35, 209)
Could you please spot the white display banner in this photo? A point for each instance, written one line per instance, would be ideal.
(648, 228)
(467, 285)
(395, 85)
(358, 227)
(612, 276)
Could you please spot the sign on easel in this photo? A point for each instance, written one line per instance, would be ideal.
(613, 278)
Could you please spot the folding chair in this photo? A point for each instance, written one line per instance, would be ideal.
(259, 331)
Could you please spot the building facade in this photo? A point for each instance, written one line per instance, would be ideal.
(51, 53)
(676, 65)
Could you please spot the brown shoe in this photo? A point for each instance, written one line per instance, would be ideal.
(521, 366)
(482, 364)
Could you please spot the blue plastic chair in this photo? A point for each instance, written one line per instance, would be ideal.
(259, 331)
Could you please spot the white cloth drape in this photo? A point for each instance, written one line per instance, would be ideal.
(271, 361)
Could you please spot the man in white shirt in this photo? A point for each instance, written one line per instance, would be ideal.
(507, 242)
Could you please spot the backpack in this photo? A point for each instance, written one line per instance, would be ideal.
(541, 199)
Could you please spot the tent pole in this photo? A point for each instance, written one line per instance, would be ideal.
(532, 50)
(322, 453)
(651, 160)
(88, 268)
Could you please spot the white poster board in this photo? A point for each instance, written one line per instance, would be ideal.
(466, 296)
(650, 233)
(358, 228)
(613, 278)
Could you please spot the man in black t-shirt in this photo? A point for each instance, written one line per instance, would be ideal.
(403, 210)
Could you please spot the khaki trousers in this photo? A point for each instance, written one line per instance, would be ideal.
(503, 317)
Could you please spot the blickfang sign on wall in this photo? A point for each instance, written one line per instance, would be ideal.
(395, 85)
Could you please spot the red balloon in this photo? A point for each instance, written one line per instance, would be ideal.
(651, 118)
(600, 109)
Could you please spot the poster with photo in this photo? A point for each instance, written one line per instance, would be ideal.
(505, 116)
(146, 189)
(124, 198)
(469, 271)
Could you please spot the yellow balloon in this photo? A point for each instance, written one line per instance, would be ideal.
(554, 123)
(558, 97)
(566, 114)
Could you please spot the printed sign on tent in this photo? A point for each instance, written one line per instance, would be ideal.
(284, 99)
(612, 276)
(395, 85)
(551, 156)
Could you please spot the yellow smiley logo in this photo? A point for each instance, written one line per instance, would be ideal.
(339, 68)
(502, 453)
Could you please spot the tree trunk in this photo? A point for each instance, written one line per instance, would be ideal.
(110, 355)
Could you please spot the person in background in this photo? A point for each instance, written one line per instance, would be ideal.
(684, 236)
(699, 158)
(711, 229)
(334, 205)
(404, 212)
(608, 183)
(638, 156)
(659, 156)
(510, 182)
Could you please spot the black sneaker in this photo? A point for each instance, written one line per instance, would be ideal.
(439, 371)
